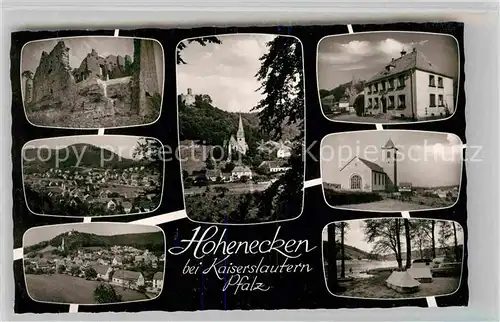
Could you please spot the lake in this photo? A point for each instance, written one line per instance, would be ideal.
(359, 266)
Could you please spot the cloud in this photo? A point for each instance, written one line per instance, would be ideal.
(355, 47)
(356, 54)
(226, 72)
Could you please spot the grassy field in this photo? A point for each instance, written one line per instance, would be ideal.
(68, 289)
(374, 287)
(387, 205)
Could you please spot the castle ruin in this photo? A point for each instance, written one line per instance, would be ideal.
(98, 87)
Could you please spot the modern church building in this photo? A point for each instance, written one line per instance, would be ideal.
(363, 175)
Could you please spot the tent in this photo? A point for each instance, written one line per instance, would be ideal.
(402, 282)
(421, 274)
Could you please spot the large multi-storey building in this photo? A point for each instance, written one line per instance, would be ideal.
(410, 87)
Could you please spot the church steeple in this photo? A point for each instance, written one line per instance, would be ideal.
(391, 166)
(241, 131)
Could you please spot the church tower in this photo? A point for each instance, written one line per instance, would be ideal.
(390, 152)
(240, 137)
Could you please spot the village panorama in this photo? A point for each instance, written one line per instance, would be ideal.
(93, 175)
(94, 263)
(233, 166)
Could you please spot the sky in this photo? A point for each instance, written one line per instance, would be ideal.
(340, 58)
(425, 159)
(121, 145)
(43, 233)
(226, 72)
(81, 46)
(356, 238)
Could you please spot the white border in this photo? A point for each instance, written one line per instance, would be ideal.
(98, 136)
(304, 121)
(98, 224)
(353, 36)
(399, 298)
(91, 128)
(388, 131)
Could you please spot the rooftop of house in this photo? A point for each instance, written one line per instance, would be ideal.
(158, 276)
(241, 168)
(273, 164)
(413, 60)
(126, 275)
(101, 269)
(373, 166)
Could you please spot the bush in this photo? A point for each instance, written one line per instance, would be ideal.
(105, 293)
(335, 197)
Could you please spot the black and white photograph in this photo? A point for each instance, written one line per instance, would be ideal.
(92, 82)
(393, 258)
(388, 77)
(93, 175)
(391, 170)
(241, 127)
(94, 263)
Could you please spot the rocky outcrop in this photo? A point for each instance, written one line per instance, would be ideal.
(144, 79)
(110, 67)
(103, 91)
(53, 82)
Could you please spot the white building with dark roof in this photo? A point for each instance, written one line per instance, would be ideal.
(410, 87)
(128, 279)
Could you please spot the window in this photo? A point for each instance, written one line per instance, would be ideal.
(440, 82)
(401, 101)
(432, 81)
(440, 100)
(432, 100)
(369, 103)
(391, 83)
(369, 89)
(383, 86)
(375, 104)
(391, 102)
(401, 81)
(375, 88)
(388, 154)
(355, 182)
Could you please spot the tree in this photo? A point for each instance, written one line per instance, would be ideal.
(323, 93)
(384, 233)
(61, 269)
(424, 235)
(149, 149)
(398, 243)
(209, 163)
(105, 293)
(332, 258)
(90, 273)
(203, 41)
(344, 226)
(408, 243)
(282, 86)
(448, 230)
(75, 270)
